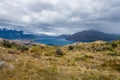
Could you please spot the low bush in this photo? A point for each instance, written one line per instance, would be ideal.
(59, 52)
(7, 44)
(114, 45)
(114, 54)
(70, 47)
(22, 48)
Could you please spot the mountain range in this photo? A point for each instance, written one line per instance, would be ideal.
(83, 36)
(92, 35)
(14, 34)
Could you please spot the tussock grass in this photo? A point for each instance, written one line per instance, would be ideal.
(81, 61)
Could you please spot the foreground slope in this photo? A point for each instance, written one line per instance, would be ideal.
(80, 61)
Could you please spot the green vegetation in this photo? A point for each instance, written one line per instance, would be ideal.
(13, 45)
(70, 47)
(8, 44)
(59, 52)
(81, 61)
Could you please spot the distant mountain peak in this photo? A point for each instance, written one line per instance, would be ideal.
(90, 31)
(92, 35)
(64, 36)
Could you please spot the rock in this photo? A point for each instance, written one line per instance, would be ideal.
(4, 65)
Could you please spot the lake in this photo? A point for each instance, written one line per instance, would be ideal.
(54, 41)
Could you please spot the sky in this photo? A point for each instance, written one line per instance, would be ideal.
(55, 17)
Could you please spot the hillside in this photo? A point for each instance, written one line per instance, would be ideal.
(80, 61)
(92, 35)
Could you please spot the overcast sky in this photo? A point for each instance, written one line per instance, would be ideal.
(60, 16)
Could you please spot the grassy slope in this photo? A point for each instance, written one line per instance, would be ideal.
(80, 61)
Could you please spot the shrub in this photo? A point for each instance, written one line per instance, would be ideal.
(113, 64)
(113, 54)
(8, 44)
(13, 52)
(59, 52)
(22, 48)
(114, 45)
(35, 49)
(70, 47)
(110, 49)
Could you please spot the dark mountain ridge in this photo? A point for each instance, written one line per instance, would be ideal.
(84, 36)
(14, 34)
(64, 36)
(92, 35)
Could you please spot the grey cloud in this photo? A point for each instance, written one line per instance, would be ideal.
(60, 16)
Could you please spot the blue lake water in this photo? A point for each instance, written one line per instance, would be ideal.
(54, 41)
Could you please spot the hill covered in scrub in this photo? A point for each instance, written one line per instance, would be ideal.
(80, 61)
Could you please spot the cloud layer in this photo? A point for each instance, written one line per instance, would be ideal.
(60, 16)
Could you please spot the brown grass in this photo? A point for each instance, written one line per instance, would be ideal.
(86, 61)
